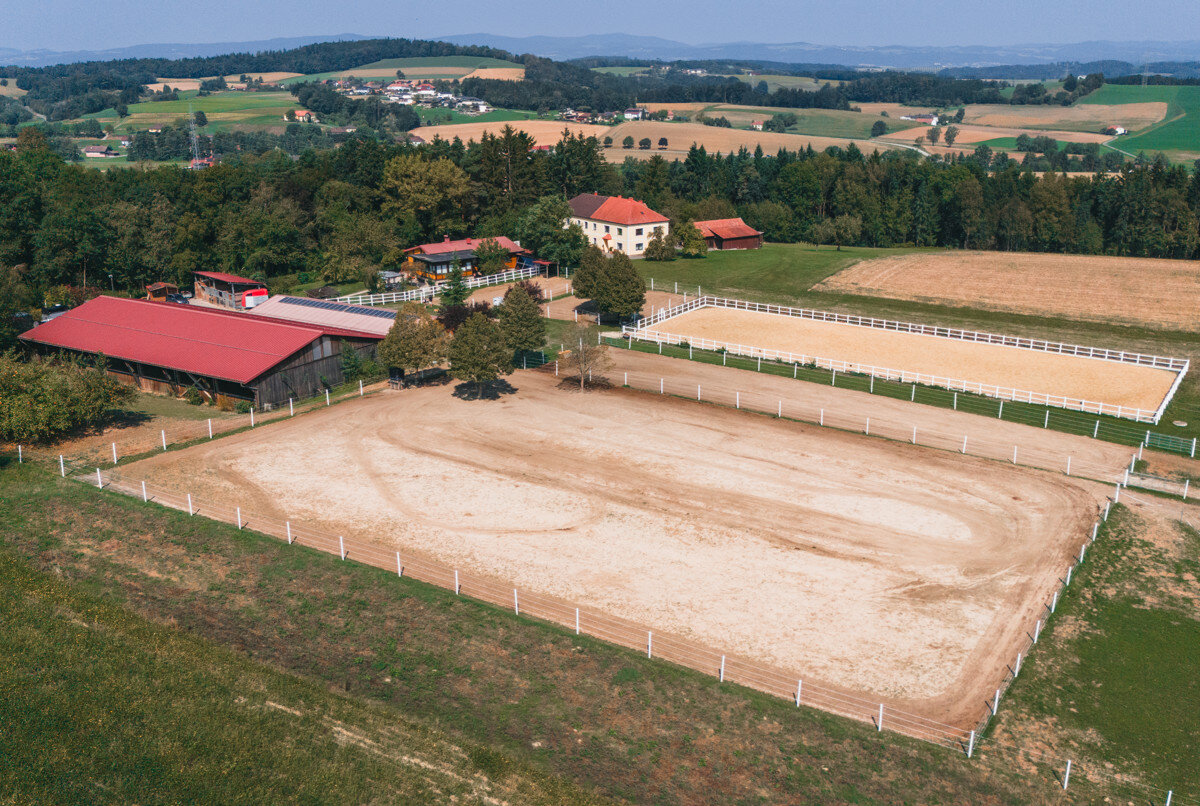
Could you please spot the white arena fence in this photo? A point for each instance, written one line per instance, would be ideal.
(428, 292)
(726, 668)
(643, 331)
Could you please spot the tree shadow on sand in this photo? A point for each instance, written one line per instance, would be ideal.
(492, 390)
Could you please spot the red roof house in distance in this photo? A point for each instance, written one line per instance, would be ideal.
(617, 224)
(228, 290)
(729, 233)
(435, 261)
(227, 356)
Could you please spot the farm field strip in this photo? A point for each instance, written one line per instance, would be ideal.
(1141, 291)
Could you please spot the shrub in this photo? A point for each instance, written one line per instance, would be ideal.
(243, 407)
(42, 400)
(193, 396)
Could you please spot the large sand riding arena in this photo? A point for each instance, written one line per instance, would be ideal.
(1130, 291)
(864, 564)
(1089, 379)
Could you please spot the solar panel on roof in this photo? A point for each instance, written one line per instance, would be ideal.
(340, 307)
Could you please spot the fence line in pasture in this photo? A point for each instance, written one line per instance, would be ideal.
(642, 331)
(428, 292)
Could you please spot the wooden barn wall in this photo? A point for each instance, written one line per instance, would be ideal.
(302, 376)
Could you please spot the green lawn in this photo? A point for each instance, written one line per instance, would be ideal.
(1116, 674)
(101, 705)
(630, 70)
(145, 713)
(775, 81)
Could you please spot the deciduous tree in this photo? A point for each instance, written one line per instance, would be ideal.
(521, 321)
(478, 352)
(415, 341)
(490, 257)
(586, 356)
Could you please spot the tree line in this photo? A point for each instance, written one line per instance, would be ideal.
(342, 214)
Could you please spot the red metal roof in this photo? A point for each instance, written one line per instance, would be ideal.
(202, 341)
(726, 228)
(227, 278)
(464, 245)
(614, 210)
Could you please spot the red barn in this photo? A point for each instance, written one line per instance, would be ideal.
(729, 233)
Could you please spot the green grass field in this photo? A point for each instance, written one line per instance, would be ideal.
(816, 122)
(1179, 132)
(180, 710)
(1119, 674)
(225, 110)
(458, 63)
(631, 70)
(436, 117)
(775, 81)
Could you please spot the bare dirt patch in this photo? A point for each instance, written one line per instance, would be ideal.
(1026, 370)
(544, 132)
(1137, 291)
(900, 571)
(501, 73)
(180, 84)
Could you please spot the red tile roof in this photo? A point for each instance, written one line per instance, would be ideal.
(227, 278)
(614, 210)
(726, 228)
(202, 341)
(463, 245)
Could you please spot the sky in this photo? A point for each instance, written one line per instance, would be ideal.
(61, 25)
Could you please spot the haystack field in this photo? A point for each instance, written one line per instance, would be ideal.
(1130, 291)
(544, 132)
(1068, 376)
(864, 564)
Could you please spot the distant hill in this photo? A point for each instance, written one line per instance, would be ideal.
(42, 58)
(900, 57)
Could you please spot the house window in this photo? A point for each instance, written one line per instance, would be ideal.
(621, 247)
(620, 231)
(638, 248)
(638, 232)
(606, 227)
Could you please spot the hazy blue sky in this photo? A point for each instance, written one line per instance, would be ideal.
(59, 24)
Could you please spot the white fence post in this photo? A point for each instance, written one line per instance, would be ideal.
(913, 396)
(822, 416)
(291, 408)
(1068, 465)
(1047, 423)
(721, 676)
(779, 413)
(1186, 482)
(251, 416)
(833, 380)
(1017, 668)
(914, 440)
(20, 456)
(964, 447)
(144, 498)
(799, 689)
(1067, 774)
(649, 644)
(1096, 430)
(210, 436)
(956, 401)
(62, 469)
(1000, 416)
(867, 428)
(996, 703)
(577, 621)
(164, 439)
(360, 389)
(288, 526)
(190, 510)
(114, 447)
(879, 725)
(326, 397)
(1014, 454)
(1037, 630)
(697, 391)
(342, 547)
(457, 589)
(99, 481)
(660, 386)
(971, 744)
(1054, 602)
(1069, 567)
(239, 517)
(626, 378)
(516, 603)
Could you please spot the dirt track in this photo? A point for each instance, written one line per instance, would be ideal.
(1141, 291)
(1027, 370)
(870, 565)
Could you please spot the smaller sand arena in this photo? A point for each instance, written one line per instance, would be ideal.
(1068, 376)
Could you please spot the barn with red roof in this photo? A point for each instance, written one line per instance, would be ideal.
(227, 356)
(729, 233)
(617, 224)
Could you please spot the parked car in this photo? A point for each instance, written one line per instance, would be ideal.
(177, 298)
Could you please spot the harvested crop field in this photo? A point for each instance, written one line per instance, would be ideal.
(501, 73)
(1069, 376)
(681, 136)
(979, 134)
(269, 78)
(1084, 117)
(1130, 291)
(544, 132)
(873, 566)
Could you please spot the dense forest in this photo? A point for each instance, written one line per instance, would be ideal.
(344, 213)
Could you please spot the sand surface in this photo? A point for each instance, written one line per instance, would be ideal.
(1027, 370)
(544, 132)
(1138, 291)
(899, 571)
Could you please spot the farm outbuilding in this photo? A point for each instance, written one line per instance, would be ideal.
(228, 290)
(228, 357)
(729, 233)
